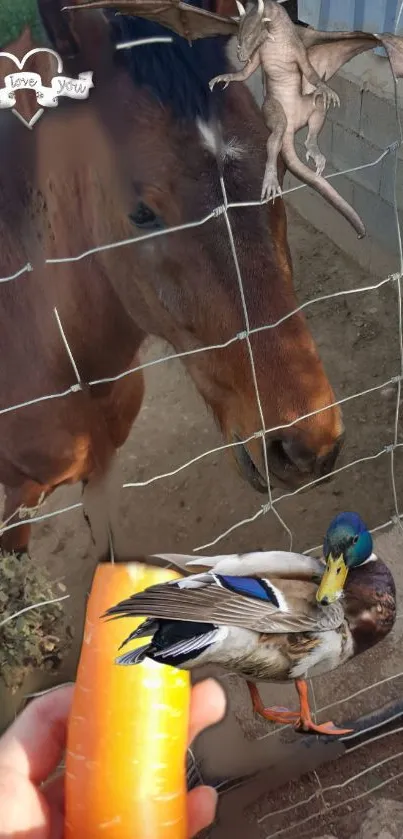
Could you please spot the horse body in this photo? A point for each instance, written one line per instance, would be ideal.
(144, 154)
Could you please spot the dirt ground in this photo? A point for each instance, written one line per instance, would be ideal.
(357, 338)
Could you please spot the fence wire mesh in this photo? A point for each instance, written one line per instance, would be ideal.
(323, 805)
(307, 811)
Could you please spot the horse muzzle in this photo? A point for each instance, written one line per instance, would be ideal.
(291, 463)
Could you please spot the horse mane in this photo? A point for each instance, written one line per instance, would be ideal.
(177, 74)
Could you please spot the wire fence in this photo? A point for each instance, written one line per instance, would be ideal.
(324, 793)
(365, 769)
(224, 209)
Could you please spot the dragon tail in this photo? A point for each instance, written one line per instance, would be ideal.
(321, 185)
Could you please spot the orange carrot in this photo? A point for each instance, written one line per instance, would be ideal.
(126, 745)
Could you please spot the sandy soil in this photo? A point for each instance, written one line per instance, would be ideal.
(357, 337)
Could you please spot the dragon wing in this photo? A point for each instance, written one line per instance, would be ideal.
(329, 51)
(188, 21)
(394, 47)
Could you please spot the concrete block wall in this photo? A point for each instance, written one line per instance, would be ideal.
(355, 134)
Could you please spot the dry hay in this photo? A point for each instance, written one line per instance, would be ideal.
(40, 637)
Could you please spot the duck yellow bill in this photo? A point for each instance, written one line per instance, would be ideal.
(333, 580)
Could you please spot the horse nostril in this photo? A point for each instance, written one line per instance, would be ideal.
(296, 454)
(290, 453)
(326, 464)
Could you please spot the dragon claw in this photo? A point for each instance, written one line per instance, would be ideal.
(329, 96)
(271, 188)
(217, 79)
(318, 158)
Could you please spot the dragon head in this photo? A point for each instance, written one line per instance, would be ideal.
(252, 30)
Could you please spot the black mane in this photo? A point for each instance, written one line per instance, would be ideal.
(176, 74)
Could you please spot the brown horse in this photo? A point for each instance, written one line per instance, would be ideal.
(142, 154)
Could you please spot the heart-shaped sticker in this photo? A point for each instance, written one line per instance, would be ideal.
(20, 65)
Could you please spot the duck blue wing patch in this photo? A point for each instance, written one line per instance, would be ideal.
(249, 587)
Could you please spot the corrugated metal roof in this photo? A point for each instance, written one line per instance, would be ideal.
(369, 15)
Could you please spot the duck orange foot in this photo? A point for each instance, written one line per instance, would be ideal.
(277, 713)
(308, 727)
(306, 724)
(302, 721)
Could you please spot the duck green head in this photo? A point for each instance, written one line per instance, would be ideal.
(347, 544)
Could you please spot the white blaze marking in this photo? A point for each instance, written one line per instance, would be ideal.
(230, 150)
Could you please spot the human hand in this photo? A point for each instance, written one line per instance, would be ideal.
(32, 806)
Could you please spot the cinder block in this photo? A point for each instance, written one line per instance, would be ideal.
(349, 113)
(378, 251)
(352, 150)
(378, 122)
(342, 183)
(378, 216)
(368, 252)
(321, 215)
(382, 262)
(388, 177)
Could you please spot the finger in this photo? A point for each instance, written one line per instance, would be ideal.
(53, 792)
(202, 805)
(34, 743)
(207, 706)
(23, 812)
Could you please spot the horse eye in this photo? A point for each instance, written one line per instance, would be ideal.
(145, 218)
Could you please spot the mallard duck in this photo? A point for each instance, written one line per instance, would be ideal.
(270, 616)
